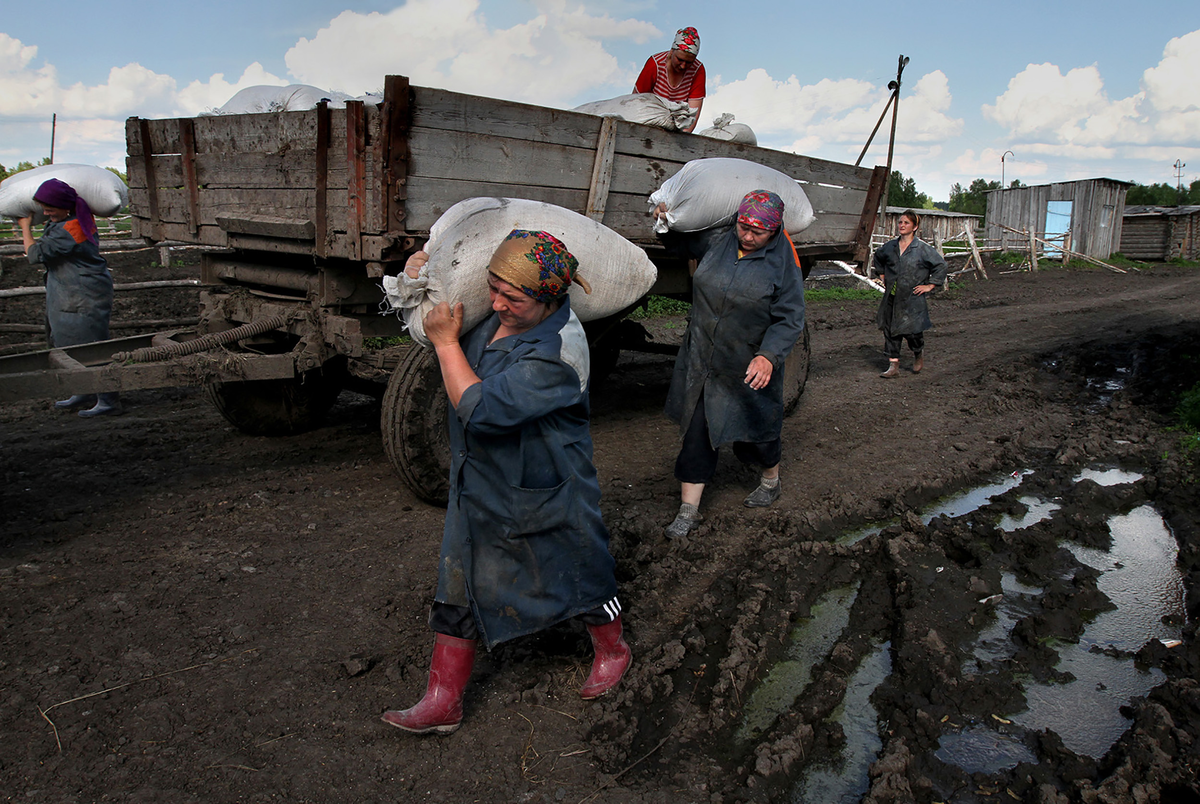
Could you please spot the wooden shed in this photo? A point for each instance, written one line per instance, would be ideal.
(1161, 233)
(1090, 210)
(937, 225)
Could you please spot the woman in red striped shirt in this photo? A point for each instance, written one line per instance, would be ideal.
(676, 74)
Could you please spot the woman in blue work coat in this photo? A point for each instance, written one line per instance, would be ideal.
(524, 545)
(79, 287)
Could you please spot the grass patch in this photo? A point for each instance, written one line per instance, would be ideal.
(383, 343)
(657, 306)
(1009, 257)
(841, 294)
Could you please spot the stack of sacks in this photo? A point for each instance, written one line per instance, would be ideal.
(103, 190)
(707, 192)
(645, 108)
(463, 239)
(292, 98)
(723, 128)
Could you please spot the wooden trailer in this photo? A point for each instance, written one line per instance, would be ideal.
(306, 211)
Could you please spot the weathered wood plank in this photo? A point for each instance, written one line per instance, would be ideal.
(296, 169)
(441, 110)
(268, 226)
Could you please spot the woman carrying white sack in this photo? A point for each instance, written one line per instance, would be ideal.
(727, 389)
(524, 545)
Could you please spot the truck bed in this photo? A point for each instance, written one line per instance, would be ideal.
(366, 183)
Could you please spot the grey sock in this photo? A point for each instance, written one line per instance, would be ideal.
(769, 482)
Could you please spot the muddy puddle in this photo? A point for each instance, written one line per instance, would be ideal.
(1060, 579)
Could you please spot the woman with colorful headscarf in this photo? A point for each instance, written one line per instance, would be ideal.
(79, 287)
(747, 314)
(676, 74)
(524, 546)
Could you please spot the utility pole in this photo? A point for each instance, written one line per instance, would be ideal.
(1179, 166)
(1006, 153)
(892, 141)
(53, 129)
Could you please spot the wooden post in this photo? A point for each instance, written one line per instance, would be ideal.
(1032, 251)
(321, 156)
(356, 178)
(975, 251)
(151, 179)
(397, 122)
(606, 146)
(1066, 249)
(187, 149)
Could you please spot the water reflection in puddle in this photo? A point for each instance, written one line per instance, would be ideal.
(1038, 511)
(1140, 578)
(810, 642)
(982, 750)
(994, 643)
(846, 780)
(1108, 477)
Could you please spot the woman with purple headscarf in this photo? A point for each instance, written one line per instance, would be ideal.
(79, 287)
(747, 314)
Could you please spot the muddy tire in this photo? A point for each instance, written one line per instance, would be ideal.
(279, 407)
(413, 425)
(795, 373)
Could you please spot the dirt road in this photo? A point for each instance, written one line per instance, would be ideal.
(193, 615)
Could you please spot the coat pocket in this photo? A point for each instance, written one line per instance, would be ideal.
(535, 512)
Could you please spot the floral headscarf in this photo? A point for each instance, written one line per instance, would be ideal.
(687, 39)
(762, 209)
(538, 263)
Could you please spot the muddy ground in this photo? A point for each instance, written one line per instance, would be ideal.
(194, 615)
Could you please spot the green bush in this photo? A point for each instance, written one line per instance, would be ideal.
(1188, 409)
(656, 306)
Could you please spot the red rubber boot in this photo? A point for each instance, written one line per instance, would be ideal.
(441, 709)
(612, 659)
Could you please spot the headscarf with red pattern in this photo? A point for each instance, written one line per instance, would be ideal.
(538, 263)
(761, 209)
(687, 39)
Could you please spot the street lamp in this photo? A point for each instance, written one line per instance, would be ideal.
(1006, 153)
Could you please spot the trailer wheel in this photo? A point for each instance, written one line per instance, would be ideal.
(413, 425)
(795, 373)
(279, 407)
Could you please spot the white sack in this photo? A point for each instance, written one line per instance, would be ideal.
(463, 239)
(103, 190)
(645, 108)
(723, 128)
(292, 98)
(707, 192)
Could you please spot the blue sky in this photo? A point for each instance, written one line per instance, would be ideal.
(1073, 89)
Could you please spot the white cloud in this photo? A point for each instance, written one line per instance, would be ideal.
(834, 115)
(1172, 86)
(548, 59)
(200, 96)
(1071, 115)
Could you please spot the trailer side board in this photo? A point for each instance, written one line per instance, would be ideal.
(214, 174)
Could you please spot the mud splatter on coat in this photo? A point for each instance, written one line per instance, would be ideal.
(740, 308)
(900, 311)
(79, 287)
(524, 545)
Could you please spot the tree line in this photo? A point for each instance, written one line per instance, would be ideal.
(972, 199)
(23, 166)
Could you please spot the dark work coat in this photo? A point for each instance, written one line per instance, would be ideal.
(900, 311)
(79, 287)
(524, 545)
(740, 308)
